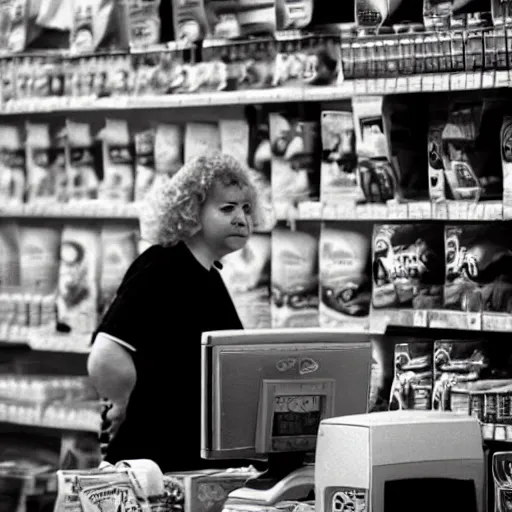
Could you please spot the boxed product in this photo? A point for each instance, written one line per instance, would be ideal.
(77, 303)
(345, 275)
(303, 60)
(338, 173)
(39, 246)
(457, 363)
(295, 161)
(474, 378)
(12, 165)
(463, 154)
(478, 290)
(82, 161)
(291, 14)
(408, 274)
(242, 19)
(412, 381)
(247, 277)
(118, 251)
(502, 479)
(118, 181)
(200, 139)
(144, 162)
(377, 177)
(294, 275)
(405, 121)
(205, 490)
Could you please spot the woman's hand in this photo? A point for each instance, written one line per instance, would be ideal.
(113, 416)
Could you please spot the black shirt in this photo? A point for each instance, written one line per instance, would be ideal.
(166, 301)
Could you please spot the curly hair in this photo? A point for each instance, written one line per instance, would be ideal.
(171, 210)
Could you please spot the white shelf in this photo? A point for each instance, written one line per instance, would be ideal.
(439, 82)
(86, 209)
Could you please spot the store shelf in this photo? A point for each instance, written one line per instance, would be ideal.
(86, 209)
(420, 210)
(435, 82)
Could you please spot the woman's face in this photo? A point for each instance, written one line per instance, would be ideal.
(226, 219)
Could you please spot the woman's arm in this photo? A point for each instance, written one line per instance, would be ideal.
(111, 370)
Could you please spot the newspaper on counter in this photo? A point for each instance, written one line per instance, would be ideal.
(129, 487)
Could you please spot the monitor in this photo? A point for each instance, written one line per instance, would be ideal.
(399, 461)
(265, 392)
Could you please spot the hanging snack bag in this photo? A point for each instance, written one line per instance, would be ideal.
(143, 23)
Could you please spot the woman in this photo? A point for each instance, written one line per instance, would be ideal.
(145, 358)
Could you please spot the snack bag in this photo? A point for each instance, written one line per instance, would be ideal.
(12, 165)
(408, 274)
(294, 275)
(345, 275)
(412, 382)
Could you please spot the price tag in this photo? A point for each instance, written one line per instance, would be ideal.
(474, 321)
(493, 210)
(398, 211)
(390, 87)
(310, 210)
(497, 322)
(456, 210)
(346, 210)
(440, 211)
(507, 212)
(381, 84)
(414, 84)
(330, 211)
(379, 211)
(420, 210)
(364, 211)
(371, 86)
(427, 83)
(501, 79)
(401, 85)
(441, 82)
(488, 80)
(420, 318)
(360, 86)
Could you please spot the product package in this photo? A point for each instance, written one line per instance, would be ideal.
(189, 20)
(144, 162)
(291, 15)
(345, 275)
(338, 174)
(39, 247)
(117, 185)
(82, 29)
(143, 23)
(295, 161)
(42, 180)
(259, 161)
(405, 121)
(377, 177)
(294, 275)
(242, 19)
(306, 60)
(169, 148)
(205, 490)
(247, 277)
(502, 479)
(12, 164)
(457, 364)
(163, 71)
(82, 161)
(412, 382)
(474, 378)
(9, 255)
(118, 251)
(371, 14)
(77, 303)
(216, 72)
(463, 153)
(201, 139)
(506, 161)
(478, 290)
(408, 274)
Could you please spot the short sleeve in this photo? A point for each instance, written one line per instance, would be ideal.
(134, 312)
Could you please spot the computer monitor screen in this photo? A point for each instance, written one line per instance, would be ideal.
(266, 391)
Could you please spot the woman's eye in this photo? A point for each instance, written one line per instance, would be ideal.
(247, 209)
(227, 209)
